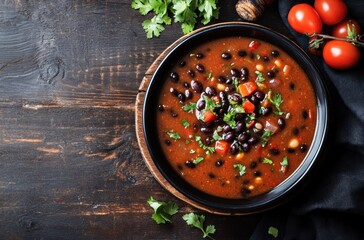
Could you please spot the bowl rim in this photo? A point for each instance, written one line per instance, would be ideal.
(302, 172)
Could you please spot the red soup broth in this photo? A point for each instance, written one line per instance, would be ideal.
(236, 117)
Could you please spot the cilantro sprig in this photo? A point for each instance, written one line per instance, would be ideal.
(276, 99)
(197, 221)
(163, 211)
(185, 12)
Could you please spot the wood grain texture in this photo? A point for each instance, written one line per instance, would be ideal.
(70, 164)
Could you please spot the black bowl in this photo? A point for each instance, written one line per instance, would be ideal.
(282, 192)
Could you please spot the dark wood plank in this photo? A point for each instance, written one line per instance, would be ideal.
(70, 164)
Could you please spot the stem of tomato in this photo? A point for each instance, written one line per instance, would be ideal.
(359, 41)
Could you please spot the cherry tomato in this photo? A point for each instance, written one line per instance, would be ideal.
(304, 19)
(340, 54)
(340, 30)
(331, 11)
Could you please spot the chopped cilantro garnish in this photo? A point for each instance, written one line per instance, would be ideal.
(185, 123)
(189, 107)
(257, 56)
(273, 231)
(284, 161)
(236, 83)
(163, 211)
(192, 151)
(198, 160)
(208, 149)
(276, 99)
(216, 136)
(210, 104)
(229, 117)
(173, 135)
(260, 77)
(265, 137)
(267, 160)
(241, 168)
(197, 221)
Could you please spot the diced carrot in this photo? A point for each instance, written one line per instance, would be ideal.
(247, 88)
(221, 147)
(208, 116)
(248, 106)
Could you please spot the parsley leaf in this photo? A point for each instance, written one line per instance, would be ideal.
(197, 221)
(284, 161)
(241, 168)
(265, 137)
(208, 149)
(273, 231)
(153, 27)
(162, 211)
(208, 10)
(185, 123)
(260, 77)
(142, 5)
(198, 160)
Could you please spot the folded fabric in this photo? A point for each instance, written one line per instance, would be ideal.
(332, 205)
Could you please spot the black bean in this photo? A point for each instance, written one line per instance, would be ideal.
(226, 128)
(229, 81)
(229, 89)
(260, 95)
(181, 97)
(219, 163)
(201, 104)
(173, 91)
(271, 74)
(303, 147)
(174, 114)
(234, 148)
(221, 79)
(240, 126)
(236, 97)
(188, 94)
(186, 84)
(208, 140)
(182, 63)
(191, 73)
(200, 55)
(200, 68)
(167, 142)
(266, 111)
(174, 76)
(210, 91)
(292, 86)
(190, 164)
(235, 72)
(295, 131)
(254, 99)
(242, 53)
(244, 78)
(207, 130)
(243, 137)
(265, 58)
(246, 147)
(211, 175)
(253, 164)
(245, 191)
(229, 136)
(275, 53)
(304, 114)
(244, 71)
(290, 150)
(281, 122)
(226, 56)
(239, 116)
(253, 140)
(224, 102)
(274, 151)
(257, 173)
(196, 86)
(160, 108)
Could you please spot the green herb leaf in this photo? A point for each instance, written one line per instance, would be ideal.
(197, 221)
(241, 168)
(143, 6)
(162, 211)
(208, 10)
(284, 161)
(273, 231)
(198, 160)
(267, 160)
(185, 123)
(210, 104)
(276, 100)
(174, 135)
(216, 136)
(208, 149)
(189, 107)
(153, 27)
(260, 77)
(265, 137)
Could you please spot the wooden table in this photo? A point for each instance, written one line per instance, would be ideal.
(70, 163)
